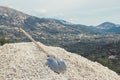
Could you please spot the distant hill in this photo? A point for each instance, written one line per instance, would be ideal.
(109, 27)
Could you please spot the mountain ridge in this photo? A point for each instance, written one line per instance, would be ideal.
(14, 17)
(48, 29)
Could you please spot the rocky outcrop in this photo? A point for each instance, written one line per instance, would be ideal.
(24, 61)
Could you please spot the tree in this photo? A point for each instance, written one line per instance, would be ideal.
(3, 40)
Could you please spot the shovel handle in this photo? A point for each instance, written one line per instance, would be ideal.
(30, 37)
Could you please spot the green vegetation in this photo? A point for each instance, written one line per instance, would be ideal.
(106, 53)
(3, 40)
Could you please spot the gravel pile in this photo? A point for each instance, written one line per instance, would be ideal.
(23, 61)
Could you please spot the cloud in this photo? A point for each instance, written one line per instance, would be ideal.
(41, 10)
(78, 11)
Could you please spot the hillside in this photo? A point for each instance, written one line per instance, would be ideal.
(10, 16)
(107, 54)
(18, 62)
(47, 30)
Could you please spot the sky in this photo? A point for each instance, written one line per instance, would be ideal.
(87, 12)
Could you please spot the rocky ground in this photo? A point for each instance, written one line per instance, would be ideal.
(24, 61)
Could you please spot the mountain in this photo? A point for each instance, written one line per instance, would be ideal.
(109, 27)
(24, 61)
(46, 30)
(10, 16)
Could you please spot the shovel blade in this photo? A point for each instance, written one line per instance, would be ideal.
(56, 64)
(53, 64)
(61, 65)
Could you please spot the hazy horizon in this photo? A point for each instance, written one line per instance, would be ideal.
(87, 12)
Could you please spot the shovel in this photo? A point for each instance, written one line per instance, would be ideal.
(56, 64)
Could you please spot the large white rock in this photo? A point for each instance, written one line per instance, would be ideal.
(23, 61)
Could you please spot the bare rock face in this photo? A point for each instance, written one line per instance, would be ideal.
(24, 61)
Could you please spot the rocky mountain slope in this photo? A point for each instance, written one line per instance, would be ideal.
(28, 63)
(47, 30)
(10, 16)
